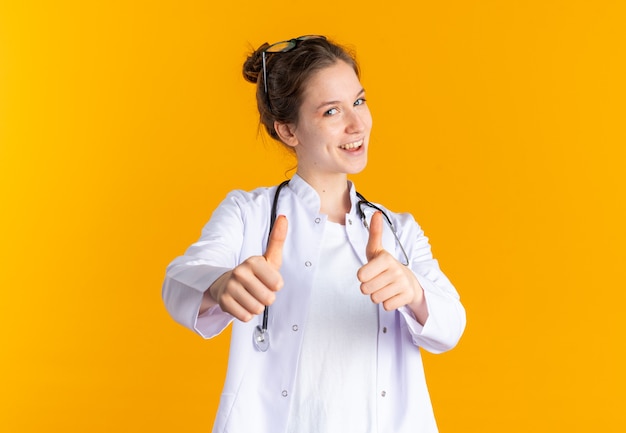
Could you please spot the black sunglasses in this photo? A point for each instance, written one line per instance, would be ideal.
(282, 47)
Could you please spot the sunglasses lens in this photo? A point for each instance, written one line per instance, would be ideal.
(279, 47)
(307, 37)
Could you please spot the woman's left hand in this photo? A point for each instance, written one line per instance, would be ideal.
(388, 281)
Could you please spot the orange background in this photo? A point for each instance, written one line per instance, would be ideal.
(498, 124)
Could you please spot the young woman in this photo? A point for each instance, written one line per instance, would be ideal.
(331, 297)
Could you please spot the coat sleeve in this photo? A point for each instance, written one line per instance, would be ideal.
(187, 277)
(446, 315)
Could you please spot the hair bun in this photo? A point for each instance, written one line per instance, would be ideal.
(254, 64)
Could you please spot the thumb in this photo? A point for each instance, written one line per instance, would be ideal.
(375, 241)
(274, 252)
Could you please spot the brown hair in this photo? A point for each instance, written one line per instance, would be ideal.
(287, 75)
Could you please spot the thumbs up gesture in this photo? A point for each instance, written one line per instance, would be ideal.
(247, 289)
(386, 280)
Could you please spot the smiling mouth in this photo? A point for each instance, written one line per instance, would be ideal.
(352, 146)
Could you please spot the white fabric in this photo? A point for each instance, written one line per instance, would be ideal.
(335, 385)
(258, 391)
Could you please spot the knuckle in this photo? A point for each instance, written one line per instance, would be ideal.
(225, 305)
(359, 276)
(268, 298)
(364, 289)
(279, 285)
(224, 299)
(229, 286)
(239, 272)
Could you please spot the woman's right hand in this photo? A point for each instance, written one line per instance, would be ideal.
(246, 290)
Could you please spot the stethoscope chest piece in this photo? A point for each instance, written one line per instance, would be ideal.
(261, 339)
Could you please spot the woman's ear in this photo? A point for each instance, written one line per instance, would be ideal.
(286, 133)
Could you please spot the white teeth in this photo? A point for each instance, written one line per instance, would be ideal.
(354, 145)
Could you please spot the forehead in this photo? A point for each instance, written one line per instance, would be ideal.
(336, 81)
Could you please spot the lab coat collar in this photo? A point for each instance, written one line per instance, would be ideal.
(311, 198)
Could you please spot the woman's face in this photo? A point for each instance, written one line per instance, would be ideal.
(334, 124)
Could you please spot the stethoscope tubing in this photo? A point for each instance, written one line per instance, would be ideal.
(261, 335)
(266, 311)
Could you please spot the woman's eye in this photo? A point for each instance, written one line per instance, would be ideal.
(331, 112)
(359, 101)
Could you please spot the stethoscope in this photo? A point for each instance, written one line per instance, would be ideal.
(260, 336)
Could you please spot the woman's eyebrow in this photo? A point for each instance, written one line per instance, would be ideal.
(323, 104)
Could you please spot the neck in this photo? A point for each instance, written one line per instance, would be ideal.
(334, 195)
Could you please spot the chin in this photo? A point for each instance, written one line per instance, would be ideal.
(357, 169)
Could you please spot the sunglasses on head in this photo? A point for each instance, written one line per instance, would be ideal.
(282, 47)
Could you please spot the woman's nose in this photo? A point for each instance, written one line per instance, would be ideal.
(355, 122)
